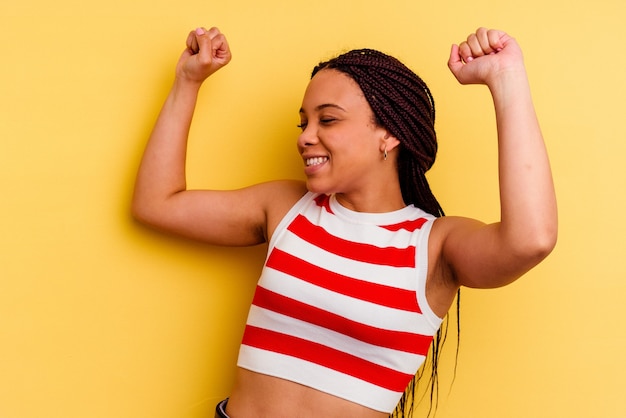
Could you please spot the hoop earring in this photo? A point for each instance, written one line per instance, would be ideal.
(385, 154)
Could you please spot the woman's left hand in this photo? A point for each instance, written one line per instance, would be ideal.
(484, 56)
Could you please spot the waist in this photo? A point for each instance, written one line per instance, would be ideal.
(259, 395)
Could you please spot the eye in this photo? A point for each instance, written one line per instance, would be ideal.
(326, 121)
(302, 125)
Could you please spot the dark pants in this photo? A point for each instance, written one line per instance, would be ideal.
(220, 409)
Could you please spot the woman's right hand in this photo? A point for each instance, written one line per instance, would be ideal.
(207, 51)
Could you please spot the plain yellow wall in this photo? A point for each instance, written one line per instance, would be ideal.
(102, 318)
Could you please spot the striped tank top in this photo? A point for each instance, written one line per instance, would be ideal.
(341, 302)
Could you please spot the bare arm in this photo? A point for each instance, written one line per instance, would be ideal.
(493, 255)
(161, 198)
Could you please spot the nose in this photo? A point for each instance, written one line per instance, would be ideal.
(307, 137)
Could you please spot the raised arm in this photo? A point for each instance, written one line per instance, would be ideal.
(493, 255)
(161, 198)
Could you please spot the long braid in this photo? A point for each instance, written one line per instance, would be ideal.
(403, 104)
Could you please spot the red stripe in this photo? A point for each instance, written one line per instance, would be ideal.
(324, 202)
(318, 236)
(410, 226)
(379, 294)
(327, 357)
(396, 340)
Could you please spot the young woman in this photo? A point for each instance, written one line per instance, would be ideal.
(361, 264)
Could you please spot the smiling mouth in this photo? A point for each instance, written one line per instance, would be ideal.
(315, 161)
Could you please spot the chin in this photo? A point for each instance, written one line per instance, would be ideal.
(317, 187)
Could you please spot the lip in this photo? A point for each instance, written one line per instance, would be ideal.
(313, 163)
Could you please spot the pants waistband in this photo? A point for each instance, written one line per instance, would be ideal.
(220, 409)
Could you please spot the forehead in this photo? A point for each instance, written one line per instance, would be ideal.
(330, 86)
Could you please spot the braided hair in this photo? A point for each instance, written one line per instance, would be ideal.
(402, 103)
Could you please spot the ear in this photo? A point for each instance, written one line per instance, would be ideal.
(388, 142)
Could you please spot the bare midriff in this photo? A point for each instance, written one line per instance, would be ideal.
(258, 395)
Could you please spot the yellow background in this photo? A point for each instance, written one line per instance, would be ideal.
(102, 318)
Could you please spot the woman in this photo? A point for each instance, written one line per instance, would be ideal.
(361, 265)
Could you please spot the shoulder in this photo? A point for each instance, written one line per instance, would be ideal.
(449, 227)
(278, 194)
(278, 198)
(442, 281)
(448, 237)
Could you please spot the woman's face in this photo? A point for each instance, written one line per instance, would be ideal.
(340, 144)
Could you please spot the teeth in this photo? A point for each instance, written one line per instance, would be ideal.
(316, 160)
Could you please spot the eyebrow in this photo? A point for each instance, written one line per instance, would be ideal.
(324, 106)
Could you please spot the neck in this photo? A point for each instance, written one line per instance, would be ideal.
(386, 199)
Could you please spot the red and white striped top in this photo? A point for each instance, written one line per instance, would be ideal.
(341, 302)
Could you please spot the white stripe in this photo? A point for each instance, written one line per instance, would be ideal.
(401, 277)
(318, 377)
(422, 263)
(387, 357)
(386, 218)
(371, 234)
